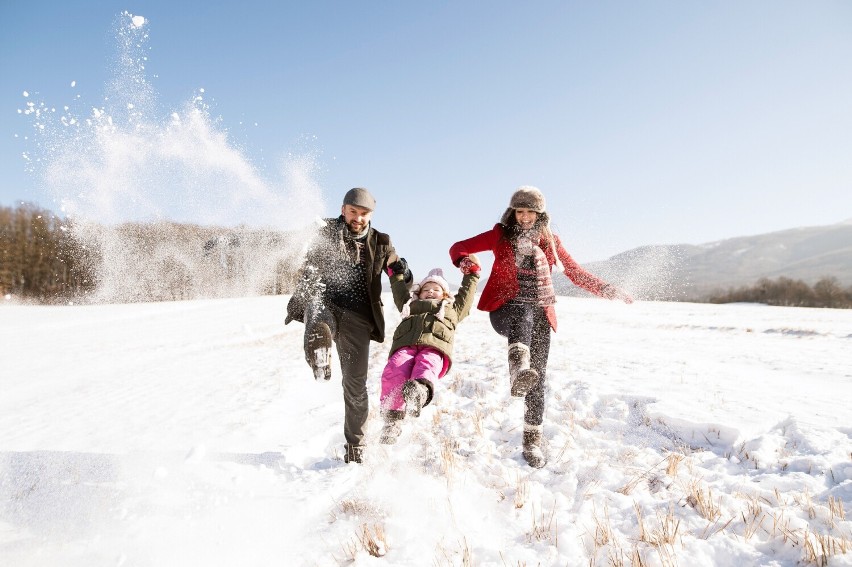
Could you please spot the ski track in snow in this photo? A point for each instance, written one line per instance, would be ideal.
(192, 433)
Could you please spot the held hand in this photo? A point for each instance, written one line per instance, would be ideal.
(469, 265)
(400, 267)
(397, 267)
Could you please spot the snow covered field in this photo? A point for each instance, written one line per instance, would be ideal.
(192, 433)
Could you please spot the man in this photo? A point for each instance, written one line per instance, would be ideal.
(338, 298)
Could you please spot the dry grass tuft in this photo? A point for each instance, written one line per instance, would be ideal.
(374, 541)
(819, 548)
(543, 527)
(477, 421)
(674, 460)
(448, 457)
(661, 537)
(521, 492)
(560, 457)
(634, 482)
(617, 558)
(603, 530)
(702, 501)
(835, 510)
(753, 517)
(664, 533)
(436, 418)
(466, 556)
(804, 500)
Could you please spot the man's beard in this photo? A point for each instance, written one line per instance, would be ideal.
(354, 231)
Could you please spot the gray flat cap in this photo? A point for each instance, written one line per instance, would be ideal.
(359, 197)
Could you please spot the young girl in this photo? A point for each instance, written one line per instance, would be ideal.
(423, 342)
(519, 296)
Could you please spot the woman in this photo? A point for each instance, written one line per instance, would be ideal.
(519, 296)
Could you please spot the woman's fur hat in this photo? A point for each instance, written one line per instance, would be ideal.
(525, 197)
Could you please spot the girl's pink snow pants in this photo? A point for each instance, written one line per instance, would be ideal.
(408, 363)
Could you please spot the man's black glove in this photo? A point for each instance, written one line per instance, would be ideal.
(398, 267)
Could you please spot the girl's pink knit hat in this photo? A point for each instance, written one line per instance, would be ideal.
(434, 276)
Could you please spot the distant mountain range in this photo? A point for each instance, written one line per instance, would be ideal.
(684, 271)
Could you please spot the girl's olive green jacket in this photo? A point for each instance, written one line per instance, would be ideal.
(422, 327)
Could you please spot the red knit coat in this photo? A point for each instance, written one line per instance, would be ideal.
(502, 284)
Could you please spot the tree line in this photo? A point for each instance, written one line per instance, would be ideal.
(50, 259)
(39, 258)
(827, 292)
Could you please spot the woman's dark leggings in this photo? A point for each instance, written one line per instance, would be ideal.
(527, 323)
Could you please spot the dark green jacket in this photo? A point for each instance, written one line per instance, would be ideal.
(422, 326)
(320, 259)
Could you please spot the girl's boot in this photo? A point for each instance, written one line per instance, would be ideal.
(416, 393)
(532, 446)
(392, 428)
(521, 377)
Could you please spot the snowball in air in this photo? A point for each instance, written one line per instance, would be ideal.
(138, 21)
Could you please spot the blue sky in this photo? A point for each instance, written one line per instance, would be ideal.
(642, 122)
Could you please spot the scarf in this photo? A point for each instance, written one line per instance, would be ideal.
(525, 244)
(357, 241)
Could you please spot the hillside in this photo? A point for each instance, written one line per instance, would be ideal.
(692, 271)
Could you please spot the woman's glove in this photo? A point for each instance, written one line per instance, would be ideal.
(469, 265)
(609, 291)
